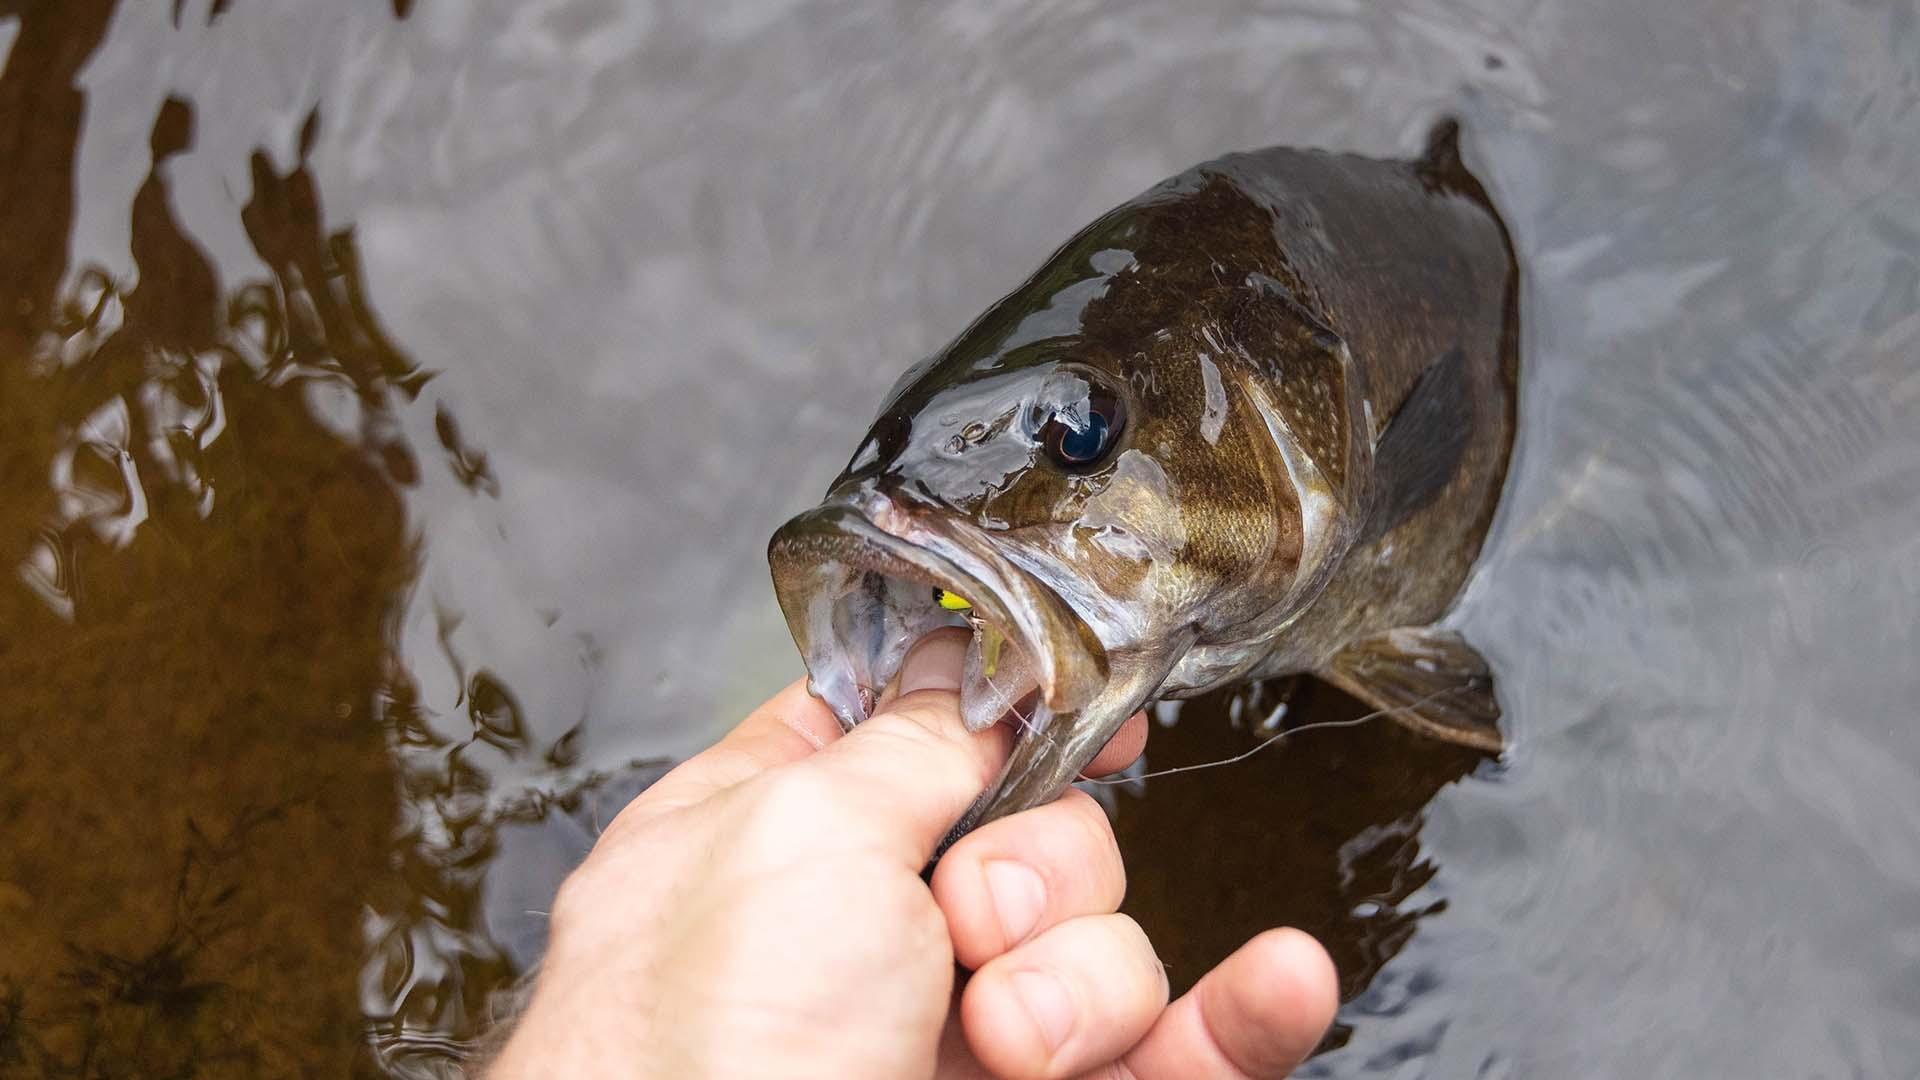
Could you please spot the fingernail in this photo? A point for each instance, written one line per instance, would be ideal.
(1046, 1001)
(1018, 897)
(934, 663)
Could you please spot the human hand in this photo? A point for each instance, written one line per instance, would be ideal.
(759, 912)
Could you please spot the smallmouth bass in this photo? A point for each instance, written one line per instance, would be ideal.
(1252, 422)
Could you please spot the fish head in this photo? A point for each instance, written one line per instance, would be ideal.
(1098, 476)
(966, 490)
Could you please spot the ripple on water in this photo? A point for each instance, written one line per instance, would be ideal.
(394, 403)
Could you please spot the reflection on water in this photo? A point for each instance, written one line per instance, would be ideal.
(238, 841)
(395, 401)
(196, 800)
(1317, 829)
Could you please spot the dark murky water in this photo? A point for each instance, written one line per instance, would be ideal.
(395, 400)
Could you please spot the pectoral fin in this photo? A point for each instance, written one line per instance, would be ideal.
(1429, 679)
(1420, 450)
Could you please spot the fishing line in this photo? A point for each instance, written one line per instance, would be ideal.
(1013, 709)
(1274, 738)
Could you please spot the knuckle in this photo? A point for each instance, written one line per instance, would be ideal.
(1131, 942)
(929, 715)
(928, 926)
(1093, 838)
(1096, 828)
(785, 803)
(796, 794)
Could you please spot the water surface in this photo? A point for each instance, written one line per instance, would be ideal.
(395, 400)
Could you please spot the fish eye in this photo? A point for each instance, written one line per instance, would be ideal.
(1080, 436)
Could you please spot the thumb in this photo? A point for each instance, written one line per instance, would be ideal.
(914, 765)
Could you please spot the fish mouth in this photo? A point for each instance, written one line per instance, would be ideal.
(860, 578)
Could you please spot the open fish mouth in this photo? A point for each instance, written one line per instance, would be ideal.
(860, 579)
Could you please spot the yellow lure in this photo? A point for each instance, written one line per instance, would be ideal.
(990, 638)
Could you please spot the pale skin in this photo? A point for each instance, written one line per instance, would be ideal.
(760, 912)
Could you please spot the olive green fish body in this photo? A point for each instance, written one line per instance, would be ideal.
(1254, 421)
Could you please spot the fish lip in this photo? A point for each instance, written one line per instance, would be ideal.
(819, 555)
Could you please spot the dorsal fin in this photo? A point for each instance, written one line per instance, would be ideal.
(1420, 450)
(1439, 165)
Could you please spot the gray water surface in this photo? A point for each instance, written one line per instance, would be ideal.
(662, 260)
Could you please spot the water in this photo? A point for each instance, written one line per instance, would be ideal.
(395, 401)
